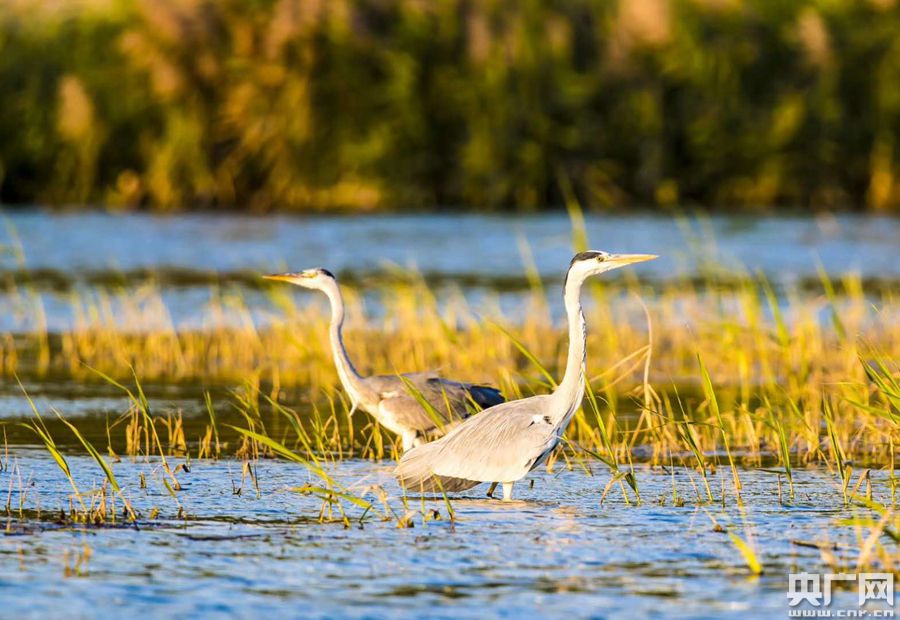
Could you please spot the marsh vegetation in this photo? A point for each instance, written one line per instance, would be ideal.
(369, 105)
(749, 417)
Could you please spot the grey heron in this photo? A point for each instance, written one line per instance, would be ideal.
(392, 399)
(507, 441)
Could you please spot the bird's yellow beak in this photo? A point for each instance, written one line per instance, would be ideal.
(282, 277)
(628, 259)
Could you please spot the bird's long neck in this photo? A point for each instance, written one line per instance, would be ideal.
(351, 379)
(568, 394)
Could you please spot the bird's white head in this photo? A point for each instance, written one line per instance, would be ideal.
(320, 279)
(595, 262)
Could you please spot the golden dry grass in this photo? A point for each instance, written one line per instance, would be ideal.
(792, 380)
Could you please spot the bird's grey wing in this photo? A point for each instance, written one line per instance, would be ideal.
(450, 400)
(460, 395)
(500, 445)
(393, 398)
(383, 386)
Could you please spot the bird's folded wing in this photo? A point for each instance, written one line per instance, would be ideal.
(499, 445)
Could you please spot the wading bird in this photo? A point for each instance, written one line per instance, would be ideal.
(506, 442)
(392, 399)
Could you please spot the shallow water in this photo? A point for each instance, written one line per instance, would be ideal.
(555, 551)
(454, 245)
(188, 257)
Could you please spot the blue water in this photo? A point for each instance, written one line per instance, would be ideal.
(450, 245)
(57, 260)
(557, 552)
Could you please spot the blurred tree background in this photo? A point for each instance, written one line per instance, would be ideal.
(481, 104)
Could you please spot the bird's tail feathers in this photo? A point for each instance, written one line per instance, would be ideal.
(414, 473)
(485, 396)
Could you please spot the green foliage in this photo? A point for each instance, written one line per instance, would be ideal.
(363, 104)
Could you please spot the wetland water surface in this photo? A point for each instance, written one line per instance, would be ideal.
(223, 547)
(53, 256)
(556, 551)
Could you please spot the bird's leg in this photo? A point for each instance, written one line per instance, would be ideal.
(507, 491)
(409, 440)
(490, 492)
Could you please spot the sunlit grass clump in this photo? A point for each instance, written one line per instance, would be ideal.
(681, 370)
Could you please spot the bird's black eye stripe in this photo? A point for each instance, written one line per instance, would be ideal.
(325, 272)
(589, 255)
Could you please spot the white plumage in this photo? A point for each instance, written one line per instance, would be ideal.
(507, 441)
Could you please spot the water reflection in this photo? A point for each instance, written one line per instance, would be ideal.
(555, 551)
